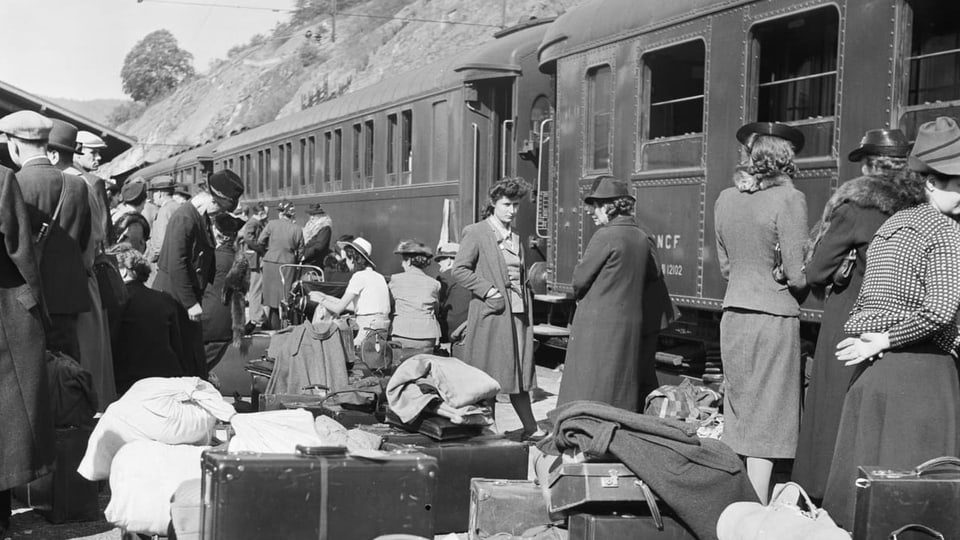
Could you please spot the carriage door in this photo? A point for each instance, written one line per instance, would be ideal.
(493, 133)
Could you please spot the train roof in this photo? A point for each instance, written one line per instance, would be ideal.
(497, 58)
(185, 158)
(600, 22)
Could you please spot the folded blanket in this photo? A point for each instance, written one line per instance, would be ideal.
(457, 384)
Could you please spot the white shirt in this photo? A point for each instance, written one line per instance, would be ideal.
(372, 293)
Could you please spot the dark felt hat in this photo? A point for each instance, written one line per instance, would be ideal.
(162, 182)
(937, 147)
(608, 187)
(412, 247)
(881, 142)
(227, 224)
(316, 210)
(63, 137)
(226, 188)
(772, 129)
(133, 190)
(182, 189)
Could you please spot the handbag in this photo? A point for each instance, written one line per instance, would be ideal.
(782, 519)
(843, 274)
(778, 274)
(113, 292)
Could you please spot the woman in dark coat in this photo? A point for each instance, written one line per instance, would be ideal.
(27, 441)
(316, 236)
(603, 357)
(903, 404)
(223, 299)
(283, 240)
(851, 217)
(760, 327)
(499, 338)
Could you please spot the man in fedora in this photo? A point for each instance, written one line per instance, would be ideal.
(181, 193)
(62, 271)
(161, 190)
(186, 263)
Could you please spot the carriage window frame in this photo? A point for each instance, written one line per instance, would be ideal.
(338, 158)
(357, 153)
(439, 148)
(303, 162)
(369, 134)
(780, 27)
(591, 113)
(312, 163)
(406, 145)
(327, 160)
(392, 125)
(261, 174)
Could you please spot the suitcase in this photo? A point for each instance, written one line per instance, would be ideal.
(332, 497)
(613, 527)
(437, 428)
(395, 435)
(64, 495)
(590, 486)
(928, 495)
(460, 461)
(505, 506)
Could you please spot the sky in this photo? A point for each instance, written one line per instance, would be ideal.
(75, 48)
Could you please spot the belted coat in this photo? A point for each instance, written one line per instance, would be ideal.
(283, 239)
(26, 439)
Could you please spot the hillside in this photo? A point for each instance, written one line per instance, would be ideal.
(289, 71)
(95, 109)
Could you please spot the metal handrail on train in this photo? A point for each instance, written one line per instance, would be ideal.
(503, 147)
(543, 126)
(476, 174)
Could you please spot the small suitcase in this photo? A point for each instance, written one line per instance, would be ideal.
(613, 527)
(64, 495)
(458, 463)
(505, 506)
(333, 497)
(395, 435)
(437, 428)
(589, 486)
(928, 495)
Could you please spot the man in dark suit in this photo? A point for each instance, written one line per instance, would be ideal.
(62, 270)
(187, 263)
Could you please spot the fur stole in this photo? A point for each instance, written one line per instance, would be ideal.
(235, 287)
(750, 183)
(866, 192)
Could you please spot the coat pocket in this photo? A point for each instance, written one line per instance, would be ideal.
(496, 305)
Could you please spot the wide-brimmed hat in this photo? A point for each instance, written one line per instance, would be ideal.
(447, 251)
(412, 247)
(362, 245)
(937, 147)
(162, 182)
(226, 188)
(608, 187)
(772, 129)
(881, 142)
(316, 210)
(63, 137)
(26, 125)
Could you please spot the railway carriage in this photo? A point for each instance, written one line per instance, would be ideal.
(190, 167)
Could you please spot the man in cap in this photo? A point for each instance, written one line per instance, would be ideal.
(161, 192)
(27, 444)
(62, 271)
(93, 331)
(454, 301)
(87, 160)
(129, 223)
(186, 263)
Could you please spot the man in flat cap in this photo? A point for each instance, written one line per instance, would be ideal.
(93, 331)
(187, 263)
(87, 160)
(161, 189)
(62, 272)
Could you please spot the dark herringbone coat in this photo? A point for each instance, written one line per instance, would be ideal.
(187, 263)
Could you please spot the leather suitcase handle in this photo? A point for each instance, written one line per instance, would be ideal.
(936, 463)
(916, 527)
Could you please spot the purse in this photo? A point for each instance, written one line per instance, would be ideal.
(778, 274)
(843, 274)
(113, 292)
(781, 519)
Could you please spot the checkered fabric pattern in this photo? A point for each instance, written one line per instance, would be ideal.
(911, 287)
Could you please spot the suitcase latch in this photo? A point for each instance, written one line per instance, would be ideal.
(612, 480)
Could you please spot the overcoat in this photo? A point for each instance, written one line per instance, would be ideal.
(158, 229)
(149, 342)
(217, 317)
(186, 262)
(283, 239)
(26, 438)
(62, 270)
(603, 356)
(489, 343)
(251, 239)
(317, 249)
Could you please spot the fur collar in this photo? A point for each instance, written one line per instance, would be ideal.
(750, 183)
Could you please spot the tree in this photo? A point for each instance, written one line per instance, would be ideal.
(155, 66)
(126, 111)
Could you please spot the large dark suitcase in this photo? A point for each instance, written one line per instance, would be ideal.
(64, 495)
(927, 495)
(334, 497)
(612, 527)
(505, 506)
(460, 461)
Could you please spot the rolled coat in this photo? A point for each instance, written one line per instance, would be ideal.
(489, 341)
(603, 356)
(283, 239)
(27, 440)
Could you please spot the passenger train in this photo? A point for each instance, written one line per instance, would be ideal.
(651, 92)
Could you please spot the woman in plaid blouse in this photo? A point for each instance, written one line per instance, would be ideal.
(903, 404)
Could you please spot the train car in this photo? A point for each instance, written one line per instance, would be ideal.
(409, 157)
(654, 92)
(190, 167)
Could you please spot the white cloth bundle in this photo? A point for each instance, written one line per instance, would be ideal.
(272, 432)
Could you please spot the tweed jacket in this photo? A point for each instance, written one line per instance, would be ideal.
(186, 264)
(62, 269)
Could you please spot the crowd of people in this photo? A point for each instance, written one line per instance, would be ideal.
(147, 279)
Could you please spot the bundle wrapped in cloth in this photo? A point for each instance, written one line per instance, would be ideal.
(445, 385)
(281, 431)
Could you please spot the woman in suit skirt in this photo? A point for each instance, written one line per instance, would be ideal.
(283, 240)
(760, 326)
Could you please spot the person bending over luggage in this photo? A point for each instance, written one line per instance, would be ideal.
(367, 294)
(148, 341)
(223, 300)
(415, 296)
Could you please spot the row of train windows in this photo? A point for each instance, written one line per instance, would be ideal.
(796, 66)
(320, 158)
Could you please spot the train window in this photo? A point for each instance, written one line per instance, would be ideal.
(797, 75)
(441, 131)
(248, 167)
(287, 164)
(303, 162)
(268, 169)
(281, 153)
(599, 117)
(391, 142)
(933, 64)
(406, 144)
(368, 152)
(672, 129)
(357, 172)
(327, 160)
(338, 159)
(260, 171)
(312, 161)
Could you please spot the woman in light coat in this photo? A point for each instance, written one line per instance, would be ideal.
(283, 240)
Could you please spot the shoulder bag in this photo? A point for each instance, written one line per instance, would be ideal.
(843, 274)
(113, 292)
(40, 239)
